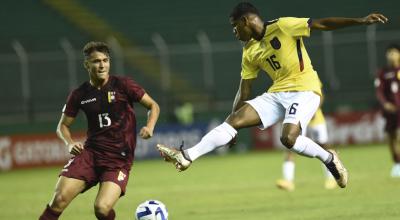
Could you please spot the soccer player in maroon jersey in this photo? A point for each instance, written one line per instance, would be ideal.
(387, 85)
(107, 155)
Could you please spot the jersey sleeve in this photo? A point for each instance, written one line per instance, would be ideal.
(134, 91)
(249, 69)
(71, 108)
(295, 27)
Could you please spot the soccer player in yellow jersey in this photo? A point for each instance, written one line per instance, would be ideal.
(277, 48)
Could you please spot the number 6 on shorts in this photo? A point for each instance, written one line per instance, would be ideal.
(292, 109)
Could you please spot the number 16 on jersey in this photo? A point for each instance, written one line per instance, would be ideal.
(275, 65)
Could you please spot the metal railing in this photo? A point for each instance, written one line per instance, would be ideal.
(21, 104)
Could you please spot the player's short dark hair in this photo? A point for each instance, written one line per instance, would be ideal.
(393, 46)
(241, 9)
(95, 46)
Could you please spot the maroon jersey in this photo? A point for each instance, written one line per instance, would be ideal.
(110, 114)
(387, 85)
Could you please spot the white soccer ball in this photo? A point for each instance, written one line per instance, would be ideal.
(151, 210)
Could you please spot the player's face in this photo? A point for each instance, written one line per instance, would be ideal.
(240, 29)
(393, 56)
(98, 65)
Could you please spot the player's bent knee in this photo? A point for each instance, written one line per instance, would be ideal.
(235, 121)
(288, 140)
(234, 124)
(102, 209)
(232, 121)
(60, 201)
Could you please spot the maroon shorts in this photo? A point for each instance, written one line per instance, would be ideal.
(94, 167)
(392, 121)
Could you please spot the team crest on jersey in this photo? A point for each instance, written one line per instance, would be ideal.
(111, 96)
(275, 43)
(121, 176)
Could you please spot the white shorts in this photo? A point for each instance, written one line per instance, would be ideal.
(292, 107)
(318, 133)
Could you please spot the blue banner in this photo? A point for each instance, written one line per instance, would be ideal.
(170, 135)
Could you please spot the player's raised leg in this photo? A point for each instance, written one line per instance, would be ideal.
(302, 108)
(66, 190)
(223, 134)
(317, 130)
(303, 145)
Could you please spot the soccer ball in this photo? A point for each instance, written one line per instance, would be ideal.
(151, 210)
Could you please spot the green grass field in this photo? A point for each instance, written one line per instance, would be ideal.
(237, 186)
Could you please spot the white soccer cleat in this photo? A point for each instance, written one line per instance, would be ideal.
(174, 156)
(337, 169)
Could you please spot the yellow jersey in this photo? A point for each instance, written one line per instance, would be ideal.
(282, 55)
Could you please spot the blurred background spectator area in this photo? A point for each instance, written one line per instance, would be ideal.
(182, 52)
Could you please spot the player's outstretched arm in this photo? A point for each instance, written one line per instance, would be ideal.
(333, 23)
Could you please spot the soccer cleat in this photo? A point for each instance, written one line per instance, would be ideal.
(330, 183)
(285, 185)
(174, 156)
(337, 169)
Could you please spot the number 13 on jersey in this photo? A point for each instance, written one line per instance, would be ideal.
(104, 120)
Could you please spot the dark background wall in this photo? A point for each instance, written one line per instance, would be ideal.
(40, 25)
